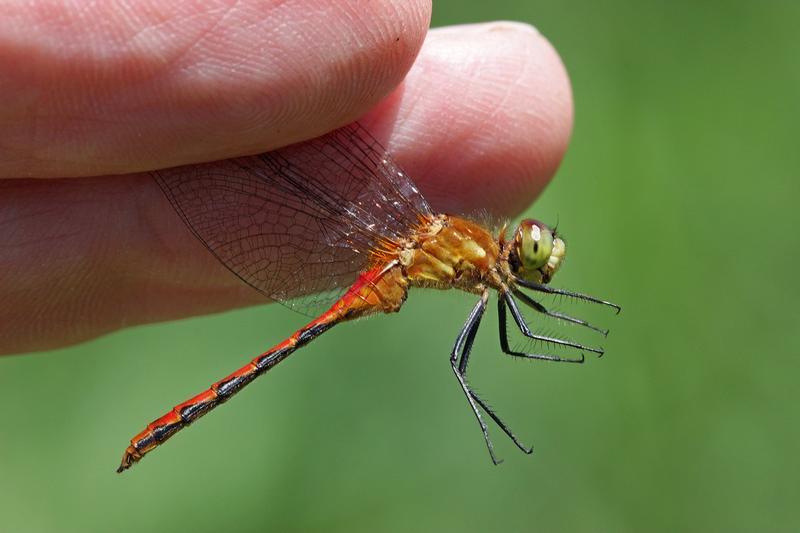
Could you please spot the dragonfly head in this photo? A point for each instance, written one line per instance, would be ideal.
(536, 252)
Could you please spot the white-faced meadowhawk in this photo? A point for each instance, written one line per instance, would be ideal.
(336, 220)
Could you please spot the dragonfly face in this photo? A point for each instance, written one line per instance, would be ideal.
(537, 252)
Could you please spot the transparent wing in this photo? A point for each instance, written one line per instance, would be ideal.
(298, 224)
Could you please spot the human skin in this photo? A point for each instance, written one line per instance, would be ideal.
(479, 116)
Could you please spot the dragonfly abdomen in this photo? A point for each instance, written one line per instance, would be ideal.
(382, 289)
(183, 414)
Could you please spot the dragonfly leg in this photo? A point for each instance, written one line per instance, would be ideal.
(459, 360)
(523, 327)
(506, 300)
(535, 304)
(562, 292)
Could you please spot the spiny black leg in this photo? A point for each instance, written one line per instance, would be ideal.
(499, 422)
(551, 290)
(463, 361)
(462, 347)
(501, 313)
(523, 327)
(535, 304)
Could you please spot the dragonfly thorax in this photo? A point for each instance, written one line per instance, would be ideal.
(451, 252)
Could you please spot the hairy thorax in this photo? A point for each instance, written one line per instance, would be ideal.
(451, 252)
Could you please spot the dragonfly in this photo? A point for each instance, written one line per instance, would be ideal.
(334, 228)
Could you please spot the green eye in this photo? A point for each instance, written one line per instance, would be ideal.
(534, 244)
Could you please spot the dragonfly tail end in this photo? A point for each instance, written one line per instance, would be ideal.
(129, 458)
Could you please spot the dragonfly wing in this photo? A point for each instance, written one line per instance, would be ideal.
(298, 224)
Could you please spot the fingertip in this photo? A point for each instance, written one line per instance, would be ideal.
(483, 119)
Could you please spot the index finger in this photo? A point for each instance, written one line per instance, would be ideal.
(134, 86)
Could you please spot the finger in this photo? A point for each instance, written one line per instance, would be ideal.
(132, 86)
(92, 255)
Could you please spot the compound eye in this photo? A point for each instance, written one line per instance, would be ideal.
(534, 244)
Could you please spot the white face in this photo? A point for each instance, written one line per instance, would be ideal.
(556, 258)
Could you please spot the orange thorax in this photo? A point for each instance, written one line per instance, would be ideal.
(453, 252)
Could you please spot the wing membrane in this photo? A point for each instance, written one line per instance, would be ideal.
(299, 223)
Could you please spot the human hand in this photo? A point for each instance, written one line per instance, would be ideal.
(94, 99)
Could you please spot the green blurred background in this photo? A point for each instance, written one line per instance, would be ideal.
(679, 198)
